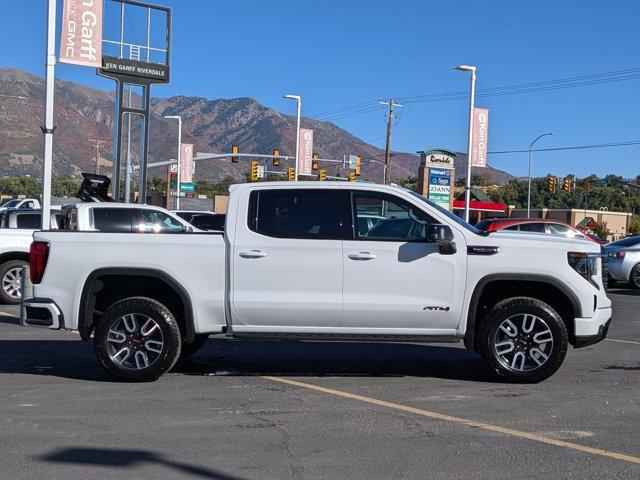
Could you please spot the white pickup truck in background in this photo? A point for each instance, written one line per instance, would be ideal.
(18, 225)
(26, 203)
(309, 260)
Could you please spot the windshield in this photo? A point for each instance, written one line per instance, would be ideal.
(11, 203)
(447, 213)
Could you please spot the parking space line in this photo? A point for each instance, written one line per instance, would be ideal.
(462, 421)
(633, 342)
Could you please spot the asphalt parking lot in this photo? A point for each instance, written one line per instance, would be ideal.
(267, 409)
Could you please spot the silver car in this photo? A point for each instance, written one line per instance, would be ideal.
(622, 260)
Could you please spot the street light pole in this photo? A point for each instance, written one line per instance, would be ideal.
(529, 186)
(47, 164)
(179, 118)
(472, 94)
(298, 99)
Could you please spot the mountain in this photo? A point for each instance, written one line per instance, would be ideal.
(83, 114)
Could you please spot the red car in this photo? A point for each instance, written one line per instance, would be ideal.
(536, 225)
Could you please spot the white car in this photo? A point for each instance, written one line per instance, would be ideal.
(291, 264)
(28, 203)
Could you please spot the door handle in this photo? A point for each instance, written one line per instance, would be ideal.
(253, 254)
(362, 256)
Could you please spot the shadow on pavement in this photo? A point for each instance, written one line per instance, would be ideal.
(632, 292)
(104, 457)
(297, 358)
(76, 360)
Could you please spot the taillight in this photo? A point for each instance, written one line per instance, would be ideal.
(38, 255)
(617, 255)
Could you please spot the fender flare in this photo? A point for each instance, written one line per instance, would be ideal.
(92, 286)
(484, 281)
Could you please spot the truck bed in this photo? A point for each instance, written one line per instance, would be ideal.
(195, 260)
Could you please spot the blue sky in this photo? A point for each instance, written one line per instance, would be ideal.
(340, 53)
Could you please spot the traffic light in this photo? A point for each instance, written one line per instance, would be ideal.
(322, 175)
(291, 174)
(552, 184)
(276, 160)
(566, 186)
(314, 162)
(254, 171)
(358, 161)
(352, 176)
(234, 149)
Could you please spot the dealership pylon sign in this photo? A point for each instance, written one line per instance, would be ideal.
(305, 151)
(480, 137)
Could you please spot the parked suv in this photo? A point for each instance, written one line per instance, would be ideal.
(295, 262)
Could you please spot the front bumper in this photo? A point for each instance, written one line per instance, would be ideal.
(41, 312)
(589, 331)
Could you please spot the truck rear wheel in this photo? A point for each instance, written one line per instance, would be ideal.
(523, 339)
(137, 339)
(11, 278)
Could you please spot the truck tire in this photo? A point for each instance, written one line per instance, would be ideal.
(137, 340)
(11, 279)
(523, 340)
(189, 349)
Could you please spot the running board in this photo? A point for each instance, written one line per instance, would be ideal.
(340, 337)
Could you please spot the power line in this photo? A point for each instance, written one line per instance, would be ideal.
(575, 147)
(568, 82)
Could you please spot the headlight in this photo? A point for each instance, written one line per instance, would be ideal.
(586, 264)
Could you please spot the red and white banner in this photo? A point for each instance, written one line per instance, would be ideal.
(81, 33)
(305, 151)
(480, 137)
(186, 163)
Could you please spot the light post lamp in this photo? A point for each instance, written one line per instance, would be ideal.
(299, 108)
(472, 94)
(529, 186)
(179, 118)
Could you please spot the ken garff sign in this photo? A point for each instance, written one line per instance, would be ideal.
(81, 34)
(480, 137)
(305, 152)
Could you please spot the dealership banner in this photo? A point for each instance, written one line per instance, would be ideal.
(81, 33)
(186, 163)
(305, 151)
(480, 137)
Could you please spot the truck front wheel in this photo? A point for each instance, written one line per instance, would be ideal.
(523, 339)
(137, 339)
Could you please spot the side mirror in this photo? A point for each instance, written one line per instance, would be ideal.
(442, 235)
(188, 229)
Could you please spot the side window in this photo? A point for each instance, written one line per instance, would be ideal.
(512, 228)
(155, 221)
(387, 218)
(27, 205)
(559, 229)
(29, 220)
(532, 227)
(118, 220)
(290, 213)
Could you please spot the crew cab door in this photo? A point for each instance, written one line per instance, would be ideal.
(286, 261)
(393, 277)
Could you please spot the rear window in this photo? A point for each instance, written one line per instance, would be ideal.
(114, 219)
(293, 213)
(208, 222)
(29, 220)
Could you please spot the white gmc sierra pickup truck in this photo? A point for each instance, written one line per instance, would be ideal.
(345, 261)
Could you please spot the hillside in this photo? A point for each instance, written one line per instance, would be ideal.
(83, 113)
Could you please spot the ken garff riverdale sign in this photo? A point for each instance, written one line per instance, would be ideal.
(81, 33)
(305, 151)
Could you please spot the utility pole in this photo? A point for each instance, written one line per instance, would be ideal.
(97, 144)
(387, 151)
